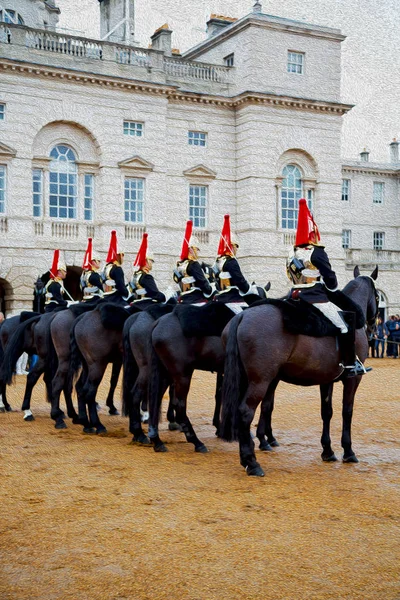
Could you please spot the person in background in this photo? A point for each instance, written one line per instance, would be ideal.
(380, 337)
(54, 289)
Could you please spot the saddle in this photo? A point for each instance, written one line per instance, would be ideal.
(302, 318)
(26, 315)
(113, 316)
(203, 321)
(156, 311)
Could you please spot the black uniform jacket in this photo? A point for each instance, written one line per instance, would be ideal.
(232, 266)
(316, 293)
(57, 299)
(194, 270)
(117, 274)
(147, 282)
(95, 280)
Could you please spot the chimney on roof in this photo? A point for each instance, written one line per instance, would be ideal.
(364, 155)
(394, 151)
(218, 22)
(161, 39)
(257, 8)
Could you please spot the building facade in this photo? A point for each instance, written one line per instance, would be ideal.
(96, 135)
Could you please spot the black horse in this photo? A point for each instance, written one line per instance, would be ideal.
(260, 352)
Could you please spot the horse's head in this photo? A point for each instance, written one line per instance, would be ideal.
(373, 298)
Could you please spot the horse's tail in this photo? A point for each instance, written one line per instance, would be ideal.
(130, 372)
(14, 349)
(51, 362)
(76, 357)
(158, 374)
(233, 385)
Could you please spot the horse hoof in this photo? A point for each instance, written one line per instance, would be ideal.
(202, 449)
(265, 447)
(9, 409)
(350, 459)
(29, 418)
(3, 409)
(61, 425)
(76, 421)
(142, 440)
(98, 407)
(331, 458)
(114, 412)
(274, 444)
(101, 431)
(160, 448)
(254, 471)
(89, 430)
(174, 427)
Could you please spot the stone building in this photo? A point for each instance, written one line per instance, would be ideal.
(98, 134)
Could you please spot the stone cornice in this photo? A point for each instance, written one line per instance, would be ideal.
(372, 169)
(265, 22)
(172, 92)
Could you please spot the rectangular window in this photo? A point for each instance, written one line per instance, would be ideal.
(88, 197)
(295, 63)
(379, 190)
(197, 138)
(346, 238)
(37, 192)
(2, 112)
(229, 60)
(346, 190)
(134, 200)
(198, 205)
(133, 128)
(3, 181)
(379, 240)
(63, 194)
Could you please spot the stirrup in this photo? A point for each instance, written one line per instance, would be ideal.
(355, 370)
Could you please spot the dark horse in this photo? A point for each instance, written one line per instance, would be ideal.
(260, 353)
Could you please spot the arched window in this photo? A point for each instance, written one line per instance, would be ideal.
(10, 16)
(291, 192)
(63, 183)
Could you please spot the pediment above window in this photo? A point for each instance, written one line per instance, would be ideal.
(6, 152)
(136, 163)
(200, 171)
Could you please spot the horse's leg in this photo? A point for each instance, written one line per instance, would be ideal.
(155, 439)
(95, 375)
(326, 392)
(4, 406)
(255, 394)
(350, 386)
(31, 381)
(264, 427)
(70, 405)
(217, 410)
(171, 416)
(139, 392)
(82, 408)
(55, 387)
(116, 369)
(182, 386)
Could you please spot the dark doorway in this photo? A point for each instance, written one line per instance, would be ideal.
(5, 296)
(71, 283)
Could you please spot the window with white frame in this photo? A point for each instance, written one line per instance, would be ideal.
(291, 192)
(346, 238)
(3, 188)
(133, 128)
(198, 205)
(7, 15)
(2, 112)
(63, 180)
(37, 192)
(134, 199)
(379, 240)
(378, 194)
(88, 197)
(229, 60)
(295, 62)
(346, 190)
(197, 138)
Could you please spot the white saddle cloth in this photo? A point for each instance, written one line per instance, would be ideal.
(332, 311)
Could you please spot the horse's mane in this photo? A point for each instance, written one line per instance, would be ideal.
(354, 284)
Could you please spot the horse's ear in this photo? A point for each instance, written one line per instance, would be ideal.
(356, 272)
(267, 287)
(374, 274)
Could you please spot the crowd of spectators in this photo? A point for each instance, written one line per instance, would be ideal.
(386, 337)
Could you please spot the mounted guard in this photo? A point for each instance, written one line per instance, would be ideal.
(308, 267)
(91, 283)
(195, 288)
(143, 285)
(54, 289)
(115, 289)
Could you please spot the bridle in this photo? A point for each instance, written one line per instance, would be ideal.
(371, 323)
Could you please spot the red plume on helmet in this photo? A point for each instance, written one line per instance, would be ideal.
(87, 261)
(54, 266)
(225, 242)
(140, 260)
(307, 230)
(186, 240)
(112, 250)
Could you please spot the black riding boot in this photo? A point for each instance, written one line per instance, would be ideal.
(351, 363)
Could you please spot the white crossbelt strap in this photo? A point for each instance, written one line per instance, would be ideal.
(332, 311)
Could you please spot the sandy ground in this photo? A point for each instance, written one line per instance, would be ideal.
(88, 517)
